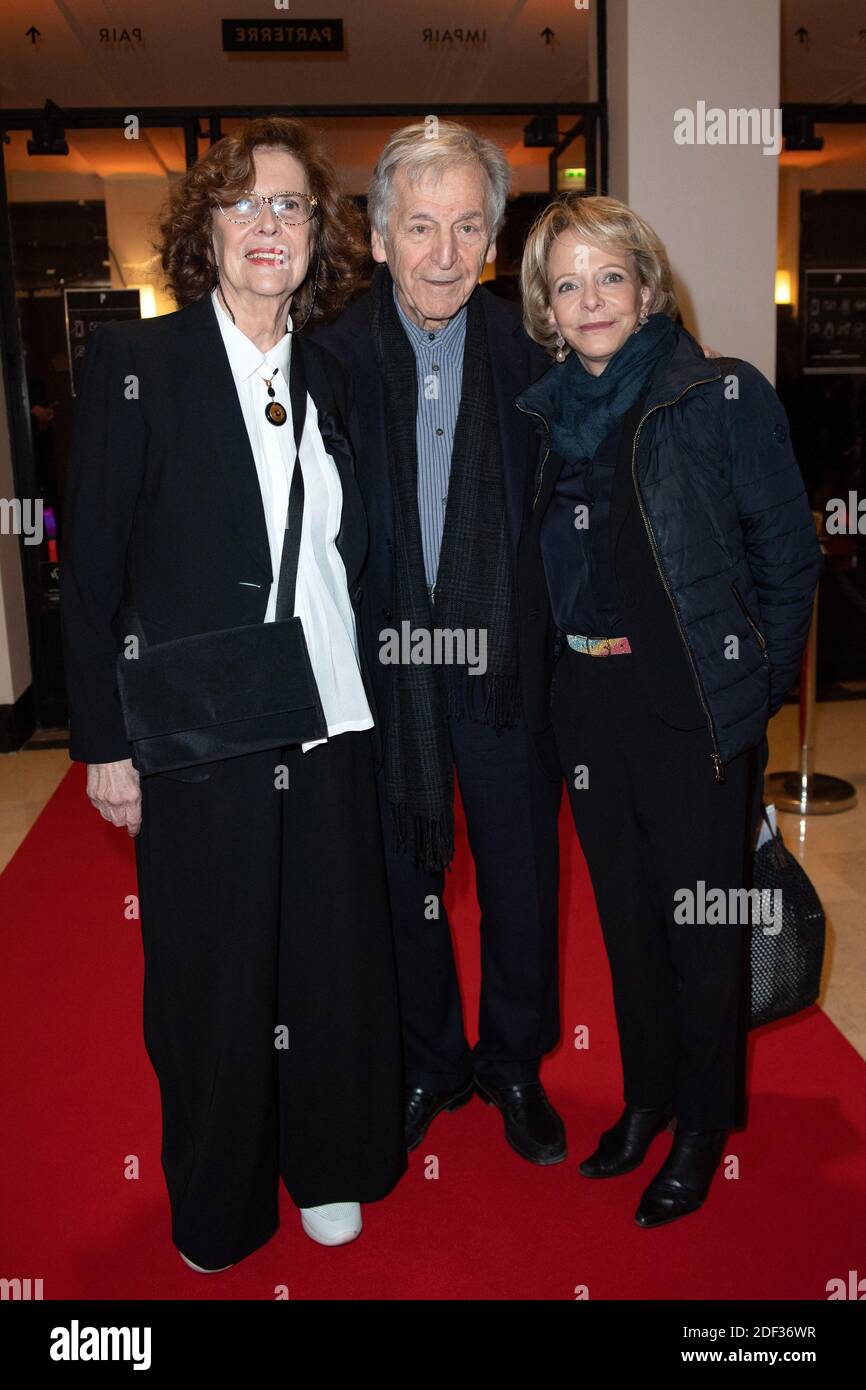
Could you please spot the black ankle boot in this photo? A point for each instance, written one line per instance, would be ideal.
(624, 1147)
(683, 1181)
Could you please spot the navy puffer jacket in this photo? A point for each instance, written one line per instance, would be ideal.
(728, 517)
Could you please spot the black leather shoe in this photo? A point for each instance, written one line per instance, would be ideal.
(623, 1147)
(532, 1126)
(683, 1181)
(422, 1107)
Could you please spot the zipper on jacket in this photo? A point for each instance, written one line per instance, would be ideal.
(715, 756)
(547, 450)
(759, 636)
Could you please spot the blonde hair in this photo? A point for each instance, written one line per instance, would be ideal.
(601, 222)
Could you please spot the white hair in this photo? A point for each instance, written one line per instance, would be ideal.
(434, 147)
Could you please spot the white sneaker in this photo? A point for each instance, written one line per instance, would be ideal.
(199, 1268)
(336, 1223)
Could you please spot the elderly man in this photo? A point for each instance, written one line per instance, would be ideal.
(445, 462)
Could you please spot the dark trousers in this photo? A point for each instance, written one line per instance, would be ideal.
(653, 821)
(265, 922)
(511, 816)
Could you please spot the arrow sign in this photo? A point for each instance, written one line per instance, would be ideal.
(547, 34)
(32, 33)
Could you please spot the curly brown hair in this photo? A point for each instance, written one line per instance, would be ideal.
(227, 170)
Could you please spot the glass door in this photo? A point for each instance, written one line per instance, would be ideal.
(80, 228)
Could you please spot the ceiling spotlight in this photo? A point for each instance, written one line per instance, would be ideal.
(542, 131)
(799, 132)
(49, 135)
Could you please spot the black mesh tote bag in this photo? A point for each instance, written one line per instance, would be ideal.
(787, 944)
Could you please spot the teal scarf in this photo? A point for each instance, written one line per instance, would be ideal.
(582, 409)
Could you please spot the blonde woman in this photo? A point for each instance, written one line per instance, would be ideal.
(666, 575)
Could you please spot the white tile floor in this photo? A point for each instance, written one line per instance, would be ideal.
(27, 781)
(832, 849)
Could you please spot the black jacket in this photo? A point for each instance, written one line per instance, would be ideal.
(164, 503)
(515, 360)
(726, 547)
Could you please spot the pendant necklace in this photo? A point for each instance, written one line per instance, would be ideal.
(275, 414)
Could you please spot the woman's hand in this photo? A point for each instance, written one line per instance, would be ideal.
(115, 792)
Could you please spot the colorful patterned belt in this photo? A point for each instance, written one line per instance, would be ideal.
(599, 646)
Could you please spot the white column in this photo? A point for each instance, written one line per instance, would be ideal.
(714, 205)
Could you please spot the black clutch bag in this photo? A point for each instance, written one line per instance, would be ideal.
(785, 962)
(218, 695)
(236, 690)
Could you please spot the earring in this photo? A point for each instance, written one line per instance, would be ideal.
(560, 348)
(642, 318)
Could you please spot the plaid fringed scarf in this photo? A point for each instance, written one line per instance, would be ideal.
(474, 584)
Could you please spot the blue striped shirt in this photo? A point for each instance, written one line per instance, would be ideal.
(439, 358)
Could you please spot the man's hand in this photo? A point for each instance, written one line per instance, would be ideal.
(709, 352)
(114, 790)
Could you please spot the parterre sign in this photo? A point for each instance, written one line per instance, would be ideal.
(282, 35)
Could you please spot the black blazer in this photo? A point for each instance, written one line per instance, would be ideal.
(163, 505)
(515, 361)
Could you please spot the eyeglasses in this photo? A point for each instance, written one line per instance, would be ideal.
(291, 208)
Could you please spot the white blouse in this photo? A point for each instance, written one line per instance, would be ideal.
(321, 595)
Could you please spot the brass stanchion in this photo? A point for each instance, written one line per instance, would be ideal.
(809, 793)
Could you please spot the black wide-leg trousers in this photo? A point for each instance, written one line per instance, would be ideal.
(652, 821)
(511, 815)
(270, 991)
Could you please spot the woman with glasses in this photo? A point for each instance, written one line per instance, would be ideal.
(270, 1008)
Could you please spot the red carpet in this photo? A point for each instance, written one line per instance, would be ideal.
(80, 1106)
